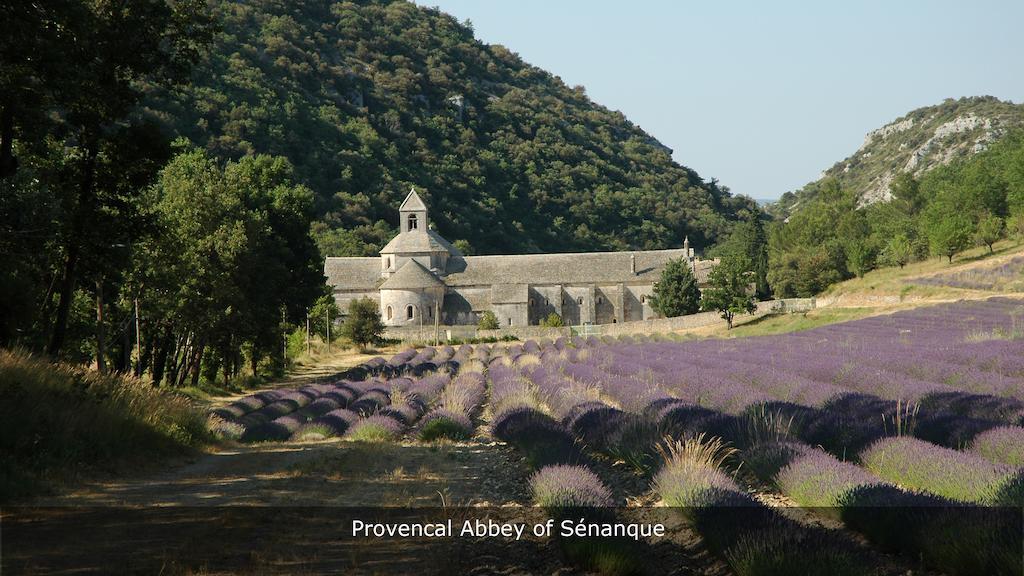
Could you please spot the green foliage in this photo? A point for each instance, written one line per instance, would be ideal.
(325, 307)
(553, 320)
(296, 343)
(860, 256)
(813, 249)
(948, 229)
(367, 99)
(750, 239)
(728, 290)
(887, 156)
(233, 252)
(363, 325)
(990, 230)
(488, 321)
(676, 293)
(897, 251)
(830, 239)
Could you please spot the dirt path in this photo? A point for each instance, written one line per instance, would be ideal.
(329, 473)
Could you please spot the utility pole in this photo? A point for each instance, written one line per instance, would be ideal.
(437, 322)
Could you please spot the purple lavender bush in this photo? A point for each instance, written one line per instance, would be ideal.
(376, 428)
(818, 479)
(1003, 445)
(444, 423)
(959, 476)
(566, 486)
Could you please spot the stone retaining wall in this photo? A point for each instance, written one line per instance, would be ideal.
(699, 320)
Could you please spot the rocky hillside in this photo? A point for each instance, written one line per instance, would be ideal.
(368, 98)
(916, 143)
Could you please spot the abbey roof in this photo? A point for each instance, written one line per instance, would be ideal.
(411, 276)
(415, 241)
(521, 269)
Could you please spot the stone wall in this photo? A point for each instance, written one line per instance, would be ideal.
(699, 320)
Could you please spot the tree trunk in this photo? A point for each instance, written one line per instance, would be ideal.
(728, 321)
(197, 363)
(73, 250)
(101, 330)
(160, 358)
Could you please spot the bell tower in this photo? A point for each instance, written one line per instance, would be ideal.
(413, 214)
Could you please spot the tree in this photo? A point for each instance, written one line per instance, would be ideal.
(232, 261)
(949, 235)
(325, 307)
(70, 84)
(363, 326)
(553, 320)
(1015, 225)
(906, 192)
(676, 293)
(488, 321)
(990, 230)
(750, 239)
(860, 256)
(897, 251)
(728, 290)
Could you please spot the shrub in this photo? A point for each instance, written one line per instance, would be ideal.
(363, 325)
(375, 428)
(443, 423)
(553, 320)
(488, 321)
(565, 486)
(1004, 444)
(960, 476)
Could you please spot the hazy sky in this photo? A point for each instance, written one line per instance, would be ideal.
(763, 95)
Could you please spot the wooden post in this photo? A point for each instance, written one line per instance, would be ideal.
(437, 322)
(309, 344)
(328, 330)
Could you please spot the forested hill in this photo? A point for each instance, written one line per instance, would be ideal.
(369, 98)
(915, 143)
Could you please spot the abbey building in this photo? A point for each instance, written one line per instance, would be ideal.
(420, 275)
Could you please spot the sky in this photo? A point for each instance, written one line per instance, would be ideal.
(763, 96)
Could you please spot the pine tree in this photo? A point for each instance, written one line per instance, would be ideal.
(676, 293)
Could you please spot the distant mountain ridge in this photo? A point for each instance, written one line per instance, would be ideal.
(917, 142)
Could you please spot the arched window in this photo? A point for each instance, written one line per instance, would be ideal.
(509, 321)
(643, 299)
(430, 312)
(531, 302)
(389, 313)
(413, 222)
(615, 320)
(408, 312)
(387, 263)
(581, 300)
(599, 300)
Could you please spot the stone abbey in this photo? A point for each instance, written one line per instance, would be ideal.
(420, 275)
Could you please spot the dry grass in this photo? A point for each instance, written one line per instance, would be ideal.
(58, 421)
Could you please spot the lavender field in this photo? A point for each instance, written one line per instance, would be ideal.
(905, 431)
(1007, 277)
